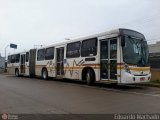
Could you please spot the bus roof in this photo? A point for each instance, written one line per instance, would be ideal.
(115, 32)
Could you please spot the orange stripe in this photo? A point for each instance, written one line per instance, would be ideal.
(120, 67)
(136, 68)
(140, 68)
(91, 65)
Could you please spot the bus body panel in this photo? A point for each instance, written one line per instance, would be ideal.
(108, 63)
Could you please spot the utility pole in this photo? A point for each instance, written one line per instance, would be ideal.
(5, 52)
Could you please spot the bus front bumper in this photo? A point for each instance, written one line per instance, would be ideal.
(131, 79)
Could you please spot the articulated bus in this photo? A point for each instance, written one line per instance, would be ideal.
(118, 56)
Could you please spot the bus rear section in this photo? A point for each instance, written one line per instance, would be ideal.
(22, 64)
(13, 63)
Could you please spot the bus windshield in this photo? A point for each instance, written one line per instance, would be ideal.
(135, 51)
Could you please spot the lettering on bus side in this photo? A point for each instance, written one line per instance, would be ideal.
(51, 65)
(74, 64)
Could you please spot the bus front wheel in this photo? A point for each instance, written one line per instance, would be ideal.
(44, 74)
(90, 78)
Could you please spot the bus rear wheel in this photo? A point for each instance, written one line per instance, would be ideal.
(17, 73)
(44, 74)
(90, 78)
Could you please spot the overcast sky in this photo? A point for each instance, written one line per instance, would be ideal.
(43, 22)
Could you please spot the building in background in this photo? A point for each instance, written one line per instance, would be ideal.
(2, 63)
(154, 50)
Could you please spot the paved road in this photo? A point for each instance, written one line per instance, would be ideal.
(25, 95)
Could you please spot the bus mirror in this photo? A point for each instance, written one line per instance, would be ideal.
(144, 42)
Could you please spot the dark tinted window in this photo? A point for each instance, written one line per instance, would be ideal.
(41, 54)
(17, 57)
(89, 47)
(12, 58)
(9, 59)
(49, 53)
(73, 50)
(27, 56)
(104, 49)
(135, 51)
(113, 49)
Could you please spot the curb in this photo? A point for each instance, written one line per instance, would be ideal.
(140, 84)
(150, 85)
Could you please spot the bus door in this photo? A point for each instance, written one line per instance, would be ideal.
(27, 64)
(108, 59)
(60, 59)
(22, 65)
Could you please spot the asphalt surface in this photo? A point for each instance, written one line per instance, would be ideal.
(35, 96)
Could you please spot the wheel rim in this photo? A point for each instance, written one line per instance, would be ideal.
(17, 73)
(87, 76)
(44, 75)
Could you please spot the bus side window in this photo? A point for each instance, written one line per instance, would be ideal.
(17, 58)
(73, 50)
(49, 53)
(27, 56)
(89, 47)
(41, 54)
(9, 59)
(12, 58)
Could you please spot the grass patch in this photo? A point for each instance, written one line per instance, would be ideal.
(155, 81)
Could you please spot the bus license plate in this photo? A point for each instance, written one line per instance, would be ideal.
(142, 78)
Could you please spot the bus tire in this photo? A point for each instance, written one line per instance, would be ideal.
(44, 74)
(90, 77)
(17, 73)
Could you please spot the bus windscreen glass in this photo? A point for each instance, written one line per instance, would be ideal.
(135, 51)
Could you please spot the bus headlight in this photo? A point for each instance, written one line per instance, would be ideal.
(127, 68)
